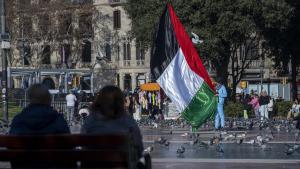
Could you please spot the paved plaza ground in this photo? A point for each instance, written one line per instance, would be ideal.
(235, 156)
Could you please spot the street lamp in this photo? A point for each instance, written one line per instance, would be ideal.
(261, 73)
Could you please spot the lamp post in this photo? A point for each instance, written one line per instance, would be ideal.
(261, 73)
(4, 46)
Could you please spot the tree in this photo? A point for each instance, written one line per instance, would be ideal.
(225, 27)
(284, 43)
(59, 25)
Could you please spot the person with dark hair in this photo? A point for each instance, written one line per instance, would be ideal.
(108, 115)
(39, 117)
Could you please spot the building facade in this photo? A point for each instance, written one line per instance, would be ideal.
(56, 37)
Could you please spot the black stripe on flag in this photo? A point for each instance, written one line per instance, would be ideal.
(164, 47)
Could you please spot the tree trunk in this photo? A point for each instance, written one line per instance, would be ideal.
(294, 77)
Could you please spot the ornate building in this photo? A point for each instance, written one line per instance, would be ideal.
(61, 43)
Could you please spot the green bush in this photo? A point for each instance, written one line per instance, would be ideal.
(232, 109)
(282, 108)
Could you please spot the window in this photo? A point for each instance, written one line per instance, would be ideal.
(27, 55)
(108, 52)
(25, 27)
(250, 50)
(117, 19)
(46, 55)
(24, 4)
(65, 53)
(65, 24)
(85, 24)
(140, 52)
(127, 51)
(86, 52)
(44, 23)
(118, 53)
(82, 2)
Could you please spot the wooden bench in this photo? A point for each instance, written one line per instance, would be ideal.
(70, 151)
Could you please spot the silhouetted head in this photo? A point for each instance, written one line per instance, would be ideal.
(39, 94)
(109, 102)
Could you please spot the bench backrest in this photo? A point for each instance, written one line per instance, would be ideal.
(90, 150)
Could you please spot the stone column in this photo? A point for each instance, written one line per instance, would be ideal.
(148, 78)
(133, 81)
(121, 78)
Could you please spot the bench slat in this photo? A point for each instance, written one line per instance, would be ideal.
(63, 141)
(64, 155)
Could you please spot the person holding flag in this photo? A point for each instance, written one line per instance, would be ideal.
(178, 69)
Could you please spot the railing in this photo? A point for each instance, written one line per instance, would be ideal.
(60, 106)
(140, 62)
(116, 2)
(132, 63)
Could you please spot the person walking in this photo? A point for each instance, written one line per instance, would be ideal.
(71, 101)
(264, 100)
(219, 117)
(255, 105)
(246, 99)
(271, 108)
(295, 110)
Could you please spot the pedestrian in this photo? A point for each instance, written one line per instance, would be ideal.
(255, 105)
(71, 101)
(131, 108)
(127, 103)
(108, 116)
(264, 100)
(246, 99)
(219, 117)
(295, 110)
(137, 105)
(271, 107)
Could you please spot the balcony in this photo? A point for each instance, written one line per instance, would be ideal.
(132, 63)
(116, 2)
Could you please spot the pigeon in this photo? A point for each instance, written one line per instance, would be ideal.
(250, 141)
(195, 141)
(171, 132)
(148, 149)
(203, 144)
(250, 126)
(167, 144)
(292, 148)
(161, 140)
(196, 39)
(180, 151)
(240, 141)
(215, 140)
(184, 135)
(219, 148)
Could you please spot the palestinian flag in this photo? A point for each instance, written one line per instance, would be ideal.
(178, 69)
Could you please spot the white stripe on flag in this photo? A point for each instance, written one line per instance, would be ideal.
(179, 82)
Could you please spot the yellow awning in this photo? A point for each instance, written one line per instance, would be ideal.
(150, 87)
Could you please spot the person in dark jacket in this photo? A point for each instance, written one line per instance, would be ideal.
(39, 117)
(264, 100)
(108, 116)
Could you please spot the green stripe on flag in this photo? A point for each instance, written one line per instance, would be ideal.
(202, 107)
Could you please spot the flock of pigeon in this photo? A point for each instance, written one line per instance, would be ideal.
(238, 131)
